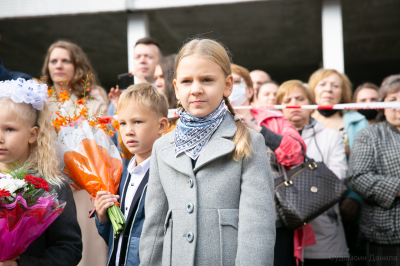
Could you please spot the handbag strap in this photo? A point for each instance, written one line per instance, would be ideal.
(279, 180)
(306, 158)
(284, 178)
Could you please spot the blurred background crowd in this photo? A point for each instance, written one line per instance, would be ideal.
(285, 52)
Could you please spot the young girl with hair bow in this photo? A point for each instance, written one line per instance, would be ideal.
(26, 140)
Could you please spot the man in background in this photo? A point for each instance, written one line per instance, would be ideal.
(146, 55)
(259, 77)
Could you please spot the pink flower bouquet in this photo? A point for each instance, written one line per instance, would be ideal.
(27, 208)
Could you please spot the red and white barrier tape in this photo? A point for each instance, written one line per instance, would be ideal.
(342, 106)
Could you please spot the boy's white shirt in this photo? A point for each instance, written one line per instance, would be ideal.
(137, 174)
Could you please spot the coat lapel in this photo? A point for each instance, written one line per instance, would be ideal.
(219, 144)
(182, 163)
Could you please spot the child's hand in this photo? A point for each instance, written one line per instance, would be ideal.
(113, 96)
(9, 263)
(103, 201)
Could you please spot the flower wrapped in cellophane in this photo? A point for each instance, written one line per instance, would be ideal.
(27, 208)
(89, 157)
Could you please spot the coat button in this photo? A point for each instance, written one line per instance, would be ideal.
(189, 207)
(189, 237)
(191, 183)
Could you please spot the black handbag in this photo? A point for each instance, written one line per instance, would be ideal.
(305, 192)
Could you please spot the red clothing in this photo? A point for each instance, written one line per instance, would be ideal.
(289, 152)
(303, 237)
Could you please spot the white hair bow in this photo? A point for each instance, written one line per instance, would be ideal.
(27, 91)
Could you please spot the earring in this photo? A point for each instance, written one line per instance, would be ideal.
(31, 149)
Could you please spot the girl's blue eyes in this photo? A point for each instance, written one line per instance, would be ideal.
(9, 130)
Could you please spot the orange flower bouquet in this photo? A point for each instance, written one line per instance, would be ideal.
(89, 157)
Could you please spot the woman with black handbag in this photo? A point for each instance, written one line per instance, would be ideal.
(325, 145)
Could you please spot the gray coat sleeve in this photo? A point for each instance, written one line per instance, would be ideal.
(256, 230)
(156, 208)
(363, 177)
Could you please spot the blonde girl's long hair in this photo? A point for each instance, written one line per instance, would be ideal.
(217, 53)
(43, 158)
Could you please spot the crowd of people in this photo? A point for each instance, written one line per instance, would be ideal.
(198, 189)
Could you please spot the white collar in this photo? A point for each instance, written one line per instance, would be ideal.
(141, 168)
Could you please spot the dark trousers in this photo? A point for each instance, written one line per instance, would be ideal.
(381, 255)
(283, 253)
(324, 262)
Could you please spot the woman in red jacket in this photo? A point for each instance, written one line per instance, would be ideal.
(283, 146)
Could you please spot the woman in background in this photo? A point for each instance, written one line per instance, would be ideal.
(65, 66)
(328, 228)
(367, 93)
(374, 173)
(331, 87)
(266, 94)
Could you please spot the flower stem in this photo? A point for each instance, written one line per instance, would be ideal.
(117, 219)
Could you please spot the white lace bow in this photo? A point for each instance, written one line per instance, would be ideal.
(27, 91)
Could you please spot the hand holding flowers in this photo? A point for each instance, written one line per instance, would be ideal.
(89, 158)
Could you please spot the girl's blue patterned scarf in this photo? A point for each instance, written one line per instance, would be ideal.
(193, 133)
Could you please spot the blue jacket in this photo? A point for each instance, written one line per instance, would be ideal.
(353, 123)
(133, 228)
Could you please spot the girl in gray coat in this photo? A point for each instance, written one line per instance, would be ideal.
(210, 194)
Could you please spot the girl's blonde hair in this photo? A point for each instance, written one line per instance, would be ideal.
(217, 53)
(43, 158)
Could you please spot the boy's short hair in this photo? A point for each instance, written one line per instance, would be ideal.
(146, 95)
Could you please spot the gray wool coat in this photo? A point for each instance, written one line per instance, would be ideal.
(219, 213)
